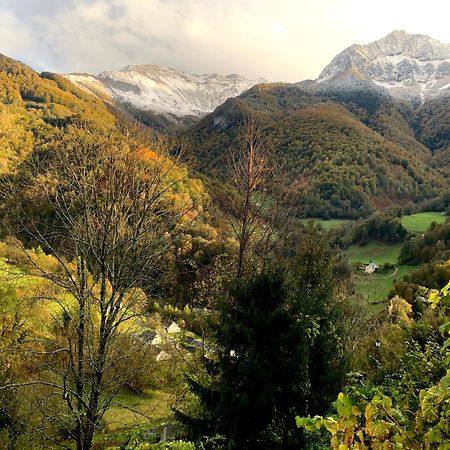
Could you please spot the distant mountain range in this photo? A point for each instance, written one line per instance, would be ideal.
(363, 136)
(162, 90)
(412, 67)
(372, 131)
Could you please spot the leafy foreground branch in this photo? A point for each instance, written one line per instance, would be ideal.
(377, 421)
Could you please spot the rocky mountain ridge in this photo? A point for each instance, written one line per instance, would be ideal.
(410, 67)
(407, 66)
(163, 90)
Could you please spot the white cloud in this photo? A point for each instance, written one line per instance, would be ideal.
(14, 35)
(284, 40)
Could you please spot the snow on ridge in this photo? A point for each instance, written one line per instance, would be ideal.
(404, 64)
(167, 91)
(90, 84)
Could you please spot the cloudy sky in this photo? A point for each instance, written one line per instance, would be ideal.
(287, 40)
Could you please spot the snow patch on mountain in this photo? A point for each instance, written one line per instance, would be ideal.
(163, 90)
(406, 65)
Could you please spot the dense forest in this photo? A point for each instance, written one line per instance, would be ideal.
(342, 156)
(162, 291)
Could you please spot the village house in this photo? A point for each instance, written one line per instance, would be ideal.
(371, 268)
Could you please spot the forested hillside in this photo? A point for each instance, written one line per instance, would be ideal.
(35, 107)
(343, 155)
(43, 115)
(431, 122)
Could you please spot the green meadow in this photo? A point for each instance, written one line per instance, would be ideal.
(327, 225)
(376, 252)
(376, 287)
(419, 223)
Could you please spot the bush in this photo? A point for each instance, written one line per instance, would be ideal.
(137, 444)
(381, 227)
(173, 445)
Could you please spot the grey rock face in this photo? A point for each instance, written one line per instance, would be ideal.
(409, 66)
(163, 90)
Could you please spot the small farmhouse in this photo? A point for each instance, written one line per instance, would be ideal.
(371, 268)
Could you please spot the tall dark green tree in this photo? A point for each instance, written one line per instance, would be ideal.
(280, 351)
(259, 370)
(315, 298)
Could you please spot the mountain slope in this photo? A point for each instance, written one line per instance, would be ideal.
(431, 122)
(34, 108)
(37, 112)
(343, 156)
(164, 91)
(372, 131)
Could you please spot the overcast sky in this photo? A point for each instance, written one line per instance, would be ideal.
(287, 40)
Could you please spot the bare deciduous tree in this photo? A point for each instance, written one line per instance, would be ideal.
(111, 220)
(255, 214)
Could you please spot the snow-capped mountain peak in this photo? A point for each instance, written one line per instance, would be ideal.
(163, 90)
(411, 66)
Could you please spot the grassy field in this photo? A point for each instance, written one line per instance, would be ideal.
(419, 223)
(376, 287)
(377, 252)
(414, 223)
(327, 225)
(131, 409)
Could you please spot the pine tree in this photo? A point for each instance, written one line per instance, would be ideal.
(313, 288)
(258, 372)
(278, 353)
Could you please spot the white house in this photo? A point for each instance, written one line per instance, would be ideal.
(157, 340)
(371, 268)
